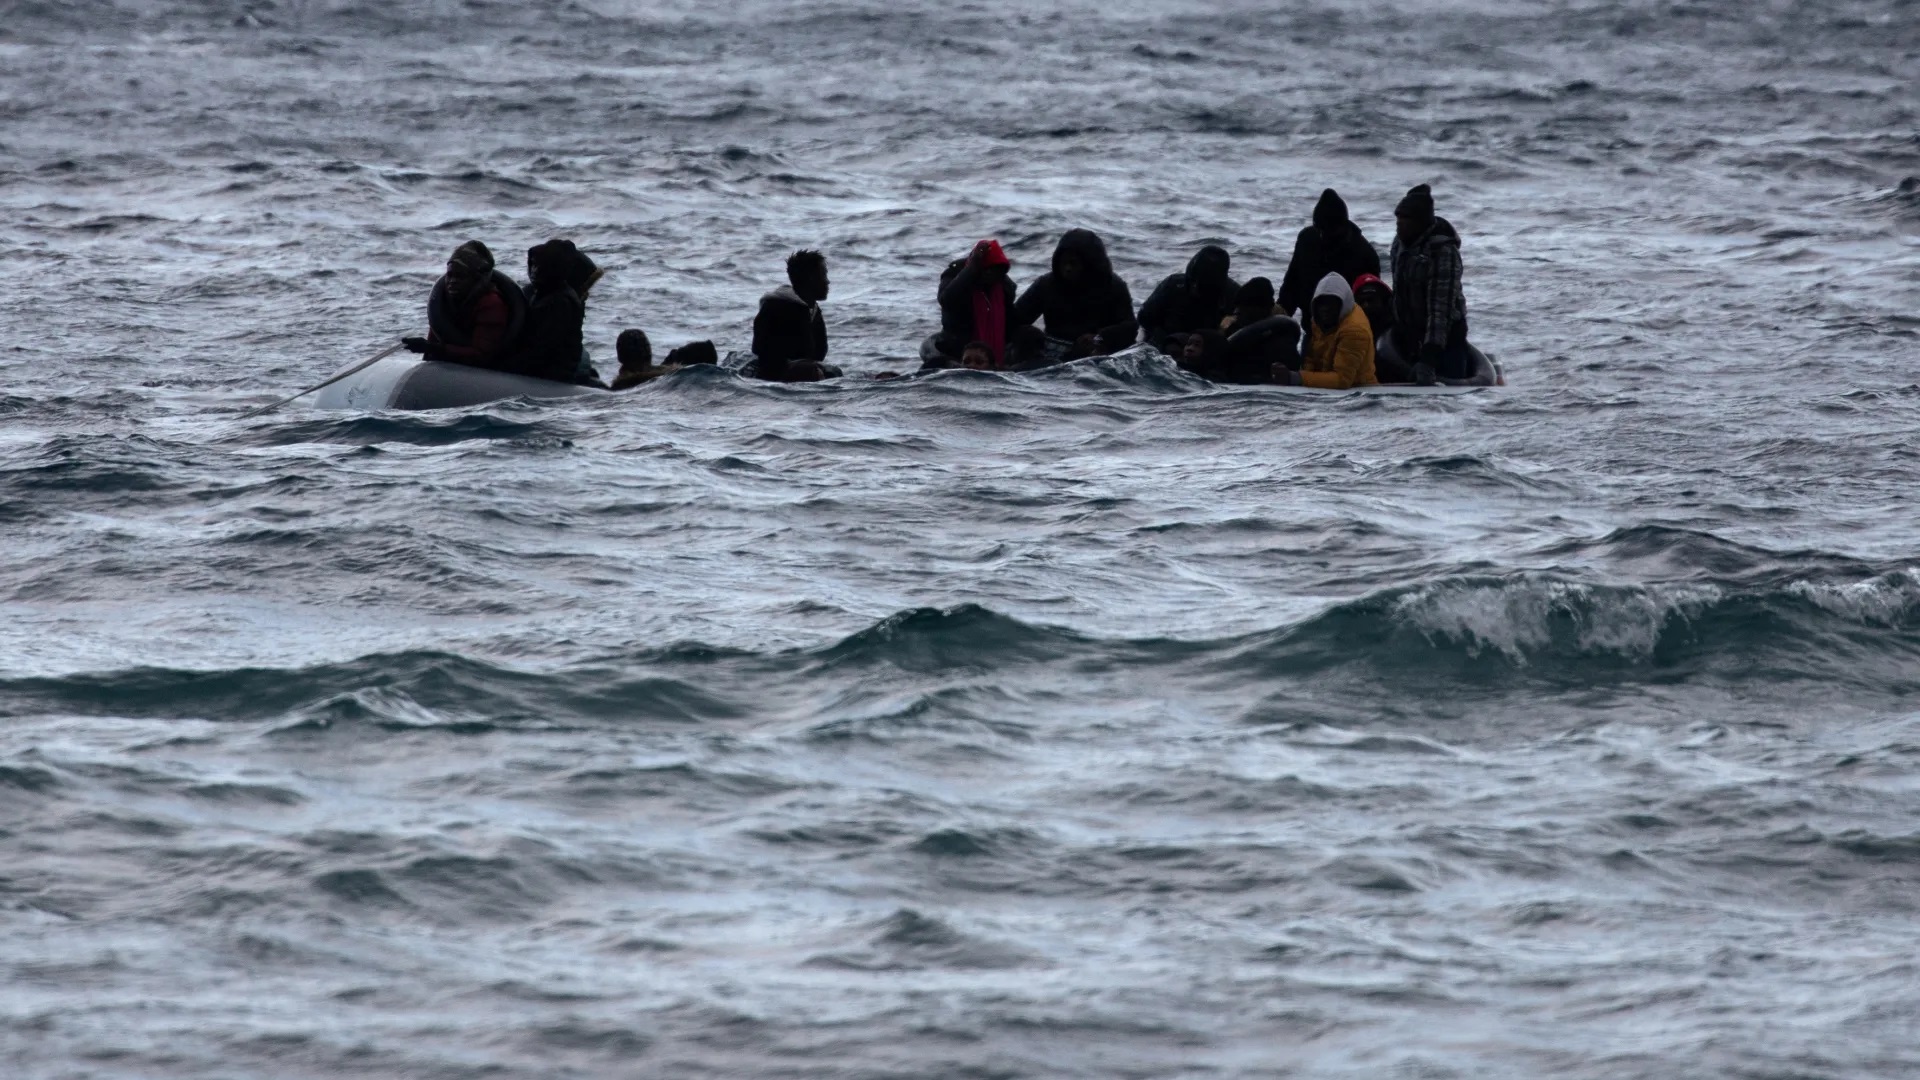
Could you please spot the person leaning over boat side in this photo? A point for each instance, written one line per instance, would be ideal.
(1376, 300)
(1333, 244)
(976, 305)
(1429, 305)
(1339, 342)
(789, 332)
(1083, 306)
(552, 346)
(1188, 302)
(474, 313)
(635, 352)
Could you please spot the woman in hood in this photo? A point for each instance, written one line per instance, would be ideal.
(976, 304)
(1339, 341)
(1081, 302)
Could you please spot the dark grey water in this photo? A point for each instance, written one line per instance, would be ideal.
(1097, 723)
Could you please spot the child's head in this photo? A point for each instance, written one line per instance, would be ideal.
(633, 349)
(977, 356)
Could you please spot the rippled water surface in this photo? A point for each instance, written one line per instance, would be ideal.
(1093, 723)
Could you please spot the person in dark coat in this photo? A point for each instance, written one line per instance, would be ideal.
(1082, 304)
(1333, 244)
(635, 351)
(474, 314)
(789, 332)
(551, 345)
(1251, 303)
(1376, 300)
(1429, 304)
(1189, 302)
(976, 304)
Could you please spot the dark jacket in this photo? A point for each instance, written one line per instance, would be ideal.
(1314, 258)
(1190, 301)
(1099, 304)
(1429, 307)
(956, 309)
(480, 330)
(1253, 350)
(789, 336)
(549, 347)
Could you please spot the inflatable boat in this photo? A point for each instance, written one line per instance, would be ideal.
(402, 382)
(1486, 372)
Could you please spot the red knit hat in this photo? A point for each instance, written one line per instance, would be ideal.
(997, 255)
(1365, 280)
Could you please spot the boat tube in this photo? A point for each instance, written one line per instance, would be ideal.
(1486, 372)
(401, 382)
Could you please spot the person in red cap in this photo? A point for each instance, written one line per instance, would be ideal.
(976, 300)
(1376, 301)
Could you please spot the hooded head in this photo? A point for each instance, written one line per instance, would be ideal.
(993, 255)
(1326, 313)
(554, 263)
(1080, 259)
(469, 265)
(1207, 270)
(1330, 214)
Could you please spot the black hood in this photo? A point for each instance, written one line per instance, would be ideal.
(1093, 255)
(1330, 212)
(1208, 268)
(1441, 230)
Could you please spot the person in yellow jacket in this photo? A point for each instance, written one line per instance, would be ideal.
(1339, 354)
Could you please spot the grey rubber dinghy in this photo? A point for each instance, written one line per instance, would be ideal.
(1486, 372)
(401, 382)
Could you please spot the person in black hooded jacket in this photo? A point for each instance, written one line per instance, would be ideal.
(1190, 302)
(1081, 301)
(551, 345)
(1333, 244)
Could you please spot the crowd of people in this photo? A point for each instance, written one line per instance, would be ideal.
(1334, 322)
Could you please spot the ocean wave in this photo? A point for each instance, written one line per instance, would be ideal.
(1486, 630)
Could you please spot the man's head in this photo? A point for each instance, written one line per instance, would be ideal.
(807, 273)
(1207, 271)
(469, 265)
(1330, 217)
(1414, 215)
(1375, 299)
(1332, 299)
(1254, 301)
(1326, 312)
(1201, 347)
(977, 355)
(634, 350)
(1071, 267)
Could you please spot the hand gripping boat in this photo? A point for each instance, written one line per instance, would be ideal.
(401, 382)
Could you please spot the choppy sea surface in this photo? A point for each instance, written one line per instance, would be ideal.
(1092, 723)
